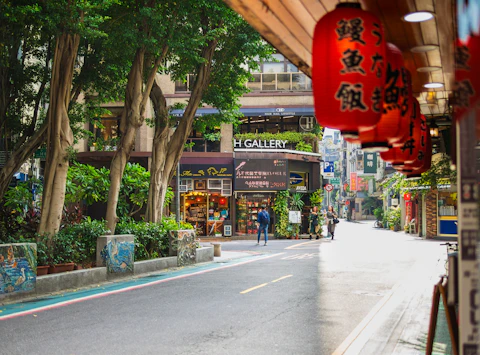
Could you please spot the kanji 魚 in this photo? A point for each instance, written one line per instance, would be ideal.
(352, 61)
(351, 97)
(462, 55)
(463, 91)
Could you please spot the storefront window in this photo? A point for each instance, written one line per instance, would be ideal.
(248, 205)
(207, 211)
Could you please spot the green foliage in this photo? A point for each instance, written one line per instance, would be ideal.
(369, 204)
(88, 184)
(212, 137)
(19, 198)
(78, 242)
(378, 212)
(304, 147)
(296, 202)
(151, 239)
(393, 217)
(280, 207)
(316, 198)
(292, 137)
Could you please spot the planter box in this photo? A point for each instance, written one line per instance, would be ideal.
(42, 270)
(58, 268)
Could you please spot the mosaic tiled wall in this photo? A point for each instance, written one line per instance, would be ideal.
(183, 241)
(118, 253)
(18, 267)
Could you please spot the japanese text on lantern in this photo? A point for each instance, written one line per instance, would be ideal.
(351, 95)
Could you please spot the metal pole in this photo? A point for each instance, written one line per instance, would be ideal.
(177, 213)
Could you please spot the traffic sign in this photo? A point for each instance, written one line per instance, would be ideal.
(335, 182)
(329, 187)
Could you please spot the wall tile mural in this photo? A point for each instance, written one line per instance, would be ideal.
(18, 267)
(119, 256)
(185, 245)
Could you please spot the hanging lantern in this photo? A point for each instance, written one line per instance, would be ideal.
(467, 75)
(424, 156)
(393, 124)
(407, 108)
(348, 71)
(198, 199)
(408, 151)
(222, 201)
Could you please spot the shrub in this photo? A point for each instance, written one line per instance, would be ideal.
(151, 239)
(378, 212)
(78, 242)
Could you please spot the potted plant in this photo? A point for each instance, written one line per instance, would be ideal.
(42, 258)
(62, 253)
(296, 204)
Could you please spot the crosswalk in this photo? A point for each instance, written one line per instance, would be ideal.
(301, 256)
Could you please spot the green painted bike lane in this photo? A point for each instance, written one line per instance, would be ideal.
(41, 304)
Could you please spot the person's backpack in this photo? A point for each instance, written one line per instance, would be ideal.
(266, 217)
(261, 217)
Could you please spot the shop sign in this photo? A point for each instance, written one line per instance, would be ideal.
(257, 143)
(206, 171)
(370, 163)
(362, 183)
(394, 201)
(353, 181)
(298, 181)
(294, 217)
(261, 174)
(40, 154)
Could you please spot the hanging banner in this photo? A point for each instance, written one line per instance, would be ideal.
(370, 163)
(353, 181)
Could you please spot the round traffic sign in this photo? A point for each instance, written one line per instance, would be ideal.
(329, 187)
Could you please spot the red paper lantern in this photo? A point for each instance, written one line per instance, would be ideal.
(408, 151)
(348, 69)
(393, 124)
(222, 201)
(423, 162)
(467, 75)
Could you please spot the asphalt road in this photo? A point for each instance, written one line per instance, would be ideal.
(290, 297)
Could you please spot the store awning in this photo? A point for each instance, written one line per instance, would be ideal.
(256, 111)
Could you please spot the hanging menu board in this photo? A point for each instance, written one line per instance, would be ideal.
(261, 174)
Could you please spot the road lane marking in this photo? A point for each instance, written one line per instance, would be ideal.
(49, 305)
(297, 245)
(254, 288)
(282, 278)
(265, 284)
(300, 256)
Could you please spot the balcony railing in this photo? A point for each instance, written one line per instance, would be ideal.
(295, 81)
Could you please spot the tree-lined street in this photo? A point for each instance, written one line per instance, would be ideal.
(290, 297)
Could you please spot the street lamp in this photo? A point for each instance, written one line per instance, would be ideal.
(433, 130)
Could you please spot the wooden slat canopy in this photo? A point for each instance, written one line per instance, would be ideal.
(289, 25)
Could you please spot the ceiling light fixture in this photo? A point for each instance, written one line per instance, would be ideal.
(419, 16)
(424, 48)
(433, 130)
(433, 85)
(431, 98)
(428, 69)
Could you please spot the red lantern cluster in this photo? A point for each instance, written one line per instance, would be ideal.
(393, 125)
(348, 71)
(407, 153)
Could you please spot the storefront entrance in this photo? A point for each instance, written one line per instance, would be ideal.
(208, 212)
(247, 207)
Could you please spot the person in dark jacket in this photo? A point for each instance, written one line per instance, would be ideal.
(263, 219)
(314, 225)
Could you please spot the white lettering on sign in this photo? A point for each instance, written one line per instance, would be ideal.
(269, 144)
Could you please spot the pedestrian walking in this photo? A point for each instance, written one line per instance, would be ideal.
(314, 225)
(263, 220)
(331, 217)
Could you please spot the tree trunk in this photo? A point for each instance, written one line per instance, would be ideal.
(59, 133)
(18, 157)
(167, 147)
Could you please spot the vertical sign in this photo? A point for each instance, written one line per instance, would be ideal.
(353, 181)
(370, 163)
(468, 218)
